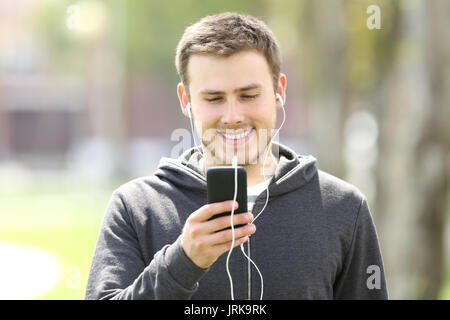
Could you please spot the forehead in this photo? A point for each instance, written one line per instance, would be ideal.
(228, 73)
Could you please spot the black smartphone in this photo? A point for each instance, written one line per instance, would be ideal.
(220, 187)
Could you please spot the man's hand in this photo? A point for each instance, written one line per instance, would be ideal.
(201, 239)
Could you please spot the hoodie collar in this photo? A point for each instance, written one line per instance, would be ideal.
(293, 171)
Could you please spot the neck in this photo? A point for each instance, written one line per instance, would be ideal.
(254, 171)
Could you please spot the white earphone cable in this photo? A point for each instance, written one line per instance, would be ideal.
(232, 227)
(257, 269)
(188, 108)
(269, 148)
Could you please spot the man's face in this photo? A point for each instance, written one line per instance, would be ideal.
(233, 105)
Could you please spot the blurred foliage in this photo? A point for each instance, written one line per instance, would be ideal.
(145, 33)
(155, 27)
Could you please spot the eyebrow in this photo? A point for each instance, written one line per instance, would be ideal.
(246, 88)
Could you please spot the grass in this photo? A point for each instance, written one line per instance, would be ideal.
(445, 290)
(60, 221)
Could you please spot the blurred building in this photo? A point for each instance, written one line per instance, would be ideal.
(90, 121)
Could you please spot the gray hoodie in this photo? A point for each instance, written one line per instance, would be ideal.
(315, 239)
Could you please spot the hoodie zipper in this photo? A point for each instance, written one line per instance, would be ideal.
(249, 272)
(249, 264)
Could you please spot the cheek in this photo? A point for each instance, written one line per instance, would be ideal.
(205, 125)
(207, 122)
(264, 117)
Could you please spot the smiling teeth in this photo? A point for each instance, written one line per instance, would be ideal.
(237, 136)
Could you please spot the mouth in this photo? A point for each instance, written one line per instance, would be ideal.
(236, 137)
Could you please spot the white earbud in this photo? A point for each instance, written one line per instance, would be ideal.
(281, 99)
(188, 108)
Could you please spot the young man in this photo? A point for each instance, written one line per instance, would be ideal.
(315, 238)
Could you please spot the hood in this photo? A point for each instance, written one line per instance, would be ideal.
(293, 171)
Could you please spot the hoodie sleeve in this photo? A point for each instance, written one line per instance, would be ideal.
(362, 275)
(118, 270)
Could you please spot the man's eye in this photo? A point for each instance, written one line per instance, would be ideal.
(249, 97)
(215, 99)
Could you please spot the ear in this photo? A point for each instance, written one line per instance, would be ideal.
(183, 97)
(281, 89)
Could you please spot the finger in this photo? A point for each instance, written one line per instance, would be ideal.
(224, 247)
(208, 210)
(226, 236)
(220, 223)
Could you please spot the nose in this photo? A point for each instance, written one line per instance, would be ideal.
(233, 114)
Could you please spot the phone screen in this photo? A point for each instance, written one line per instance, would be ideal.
(220, 187)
